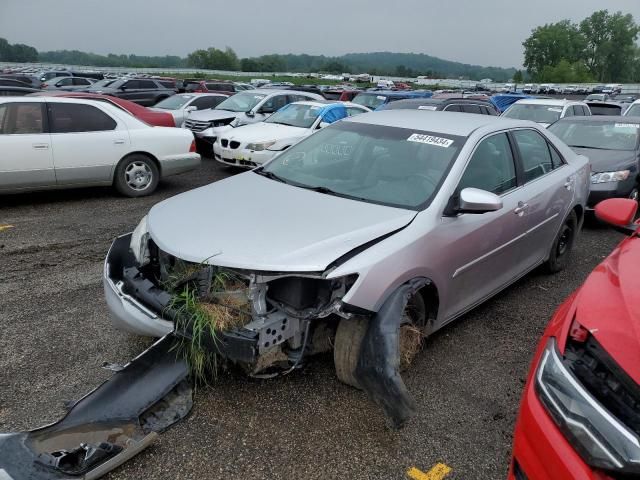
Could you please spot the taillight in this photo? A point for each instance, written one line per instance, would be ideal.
(192, 148)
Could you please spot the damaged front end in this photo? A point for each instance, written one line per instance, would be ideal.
(264, 322)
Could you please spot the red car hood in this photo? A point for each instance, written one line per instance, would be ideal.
(608, 305)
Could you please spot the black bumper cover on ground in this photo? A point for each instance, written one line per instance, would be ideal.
(109, 425)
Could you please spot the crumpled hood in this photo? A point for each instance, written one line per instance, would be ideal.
(607, 160)
(262, 132)
(213, 114)
(251, 222)
(609, 306)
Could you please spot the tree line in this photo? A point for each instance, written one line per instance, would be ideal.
(376, 63)
(17, 52)
(600, 48)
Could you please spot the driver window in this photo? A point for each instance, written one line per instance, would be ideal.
(491, 167)
(274, 103)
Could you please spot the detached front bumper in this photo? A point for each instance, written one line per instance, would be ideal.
(127, 312)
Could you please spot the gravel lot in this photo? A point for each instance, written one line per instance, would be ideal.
(56, 334)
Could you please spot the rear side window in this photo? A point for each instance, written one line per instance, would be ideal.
(534, 153)
(207, 102)
(147, 84)
(453, 108)
(471, 109)
(65, 82)
(491, 167)
(21, 118)
(75, 118)
(220, 87)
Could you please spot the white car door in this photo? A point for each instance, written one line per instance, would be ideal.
(86, 141)
(25, 146)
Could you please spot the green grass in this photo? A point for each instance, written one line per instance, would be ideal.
(203, 315)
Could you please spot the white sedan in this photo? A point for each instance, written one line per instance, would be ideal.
(54, 142)
(255, 144)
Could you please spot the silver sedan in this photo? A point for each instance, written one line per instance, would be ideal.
(182, 104)
(365, 237)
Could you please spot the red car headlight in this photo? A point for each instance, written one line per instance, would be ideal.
(601, 439)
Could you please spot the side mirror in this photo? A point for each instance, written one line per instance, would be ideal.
(250, 113)
(323, 124)
(474, 200)
(191, 108)
(618, 212)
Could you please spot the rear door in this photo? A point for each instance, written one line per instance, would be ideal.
(25, 146)
(86, 142)
(486, 249)
(548, 184)
(146, 92)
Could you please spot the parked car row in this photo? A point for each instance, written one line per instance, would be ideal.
(367, 191)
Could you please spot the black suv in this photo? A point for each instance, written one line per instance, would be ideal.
(143, 91)
(466, 105)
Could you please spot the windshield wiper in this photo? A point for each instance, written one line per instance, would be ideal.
(587, 146)
(328, 191)
(270, 175)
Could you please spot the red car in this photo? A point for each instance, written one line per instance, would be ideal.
(157, 119)
(580, 413)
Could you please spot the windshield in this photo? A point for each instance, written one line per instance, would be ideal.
(634, 111)
(609, 135)
(370, 100)
(372, 163)
(241, 102)
(535, 113)
(296, 115)
(174, 102)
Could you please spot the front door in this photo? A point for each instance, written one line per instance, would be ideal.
(25, 146)
(484, 251)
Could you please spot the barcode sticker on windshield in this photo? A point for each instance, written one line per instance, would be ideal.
(426, 107)
(554, 109)
(430, 140)
(627, 125)
(380, 97)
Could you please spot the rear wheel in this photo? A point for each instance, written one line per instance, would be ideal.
(136, 176)
(563, 244)
(351, 332)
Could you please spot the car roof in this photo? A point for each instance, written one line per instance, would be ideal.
(600, 118)
(440, 101)
(544, 101)
(453, 123)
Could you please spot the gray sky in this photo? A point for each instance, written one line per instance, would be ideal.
(484, 32)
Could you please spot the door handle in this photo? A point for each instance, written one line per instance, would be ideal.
(521, 208)
(568, 184)
(40, 146)
(119, 141)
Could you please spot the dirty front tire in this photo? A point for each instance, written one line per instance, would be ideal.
(346, 348)
(563, 244)
(351, 332)
(136, 176)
